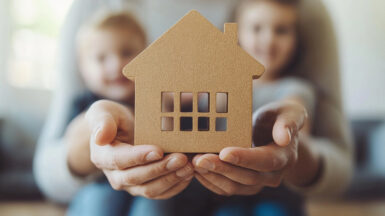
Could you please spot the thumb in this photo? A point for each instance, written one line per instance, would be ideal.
(287, 125)
(102, 122)
(105, 131)
(282, 134)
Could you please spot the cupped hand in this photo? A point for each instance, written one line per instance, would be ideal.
(245, 171)
(141, 170)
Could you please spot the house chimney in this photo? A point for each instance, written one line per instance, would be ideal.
(231, 32)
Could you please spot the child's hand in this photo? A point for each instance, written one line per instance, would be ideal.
(245, 171)
(140, 170)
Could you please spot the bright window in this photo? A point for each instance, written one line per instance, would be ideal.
(35, 29)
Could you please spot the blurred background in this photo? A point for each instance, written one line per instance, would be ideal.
(29, 33)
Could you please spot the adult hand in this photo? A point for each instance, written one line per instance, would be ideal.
(245, 171)
(141, 170)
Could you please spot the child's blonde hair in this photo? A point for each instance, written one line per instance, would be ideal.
(104, 20)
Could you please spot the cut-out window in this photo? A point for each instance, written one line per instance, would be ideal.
(203, 102)
(186, 102)
(203, 123)
(221, 124)
(167, 123)
(197, 102)
(167, 101)
(186, 123)
(221, 102)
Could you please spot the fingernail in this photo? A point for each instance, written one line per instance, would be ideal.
(173, 164)
(201, 170)
(204, 163)
(97, 131)
(153, 156)
(231, 159)
(289, 133)
(185, 171)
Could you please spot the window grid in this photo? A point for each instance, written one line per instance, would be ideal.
(198, 113)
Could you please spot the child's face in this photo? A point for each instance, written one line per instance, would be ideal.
(267, 30)
(102, 59)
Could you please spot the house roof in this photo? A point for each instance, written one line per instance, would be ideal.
(194, 44)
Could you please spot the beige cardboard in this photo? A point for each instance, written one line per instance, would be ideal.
(194, 56)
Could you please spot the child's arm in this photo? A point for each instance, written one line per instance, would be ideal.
(138, 169)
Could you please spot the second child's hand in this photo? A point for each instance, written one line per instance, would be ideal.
(245, 171)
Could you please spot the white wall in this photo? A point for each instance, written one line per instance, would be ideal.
(360, 27)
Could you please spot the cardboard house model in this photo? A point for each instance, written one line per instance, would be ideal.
(193, 88)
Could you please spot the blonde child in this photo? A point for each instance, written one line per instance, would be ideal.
(283, 107)
(64, 167)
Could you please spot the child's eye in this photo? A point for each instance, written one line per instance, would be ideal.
(101, 58)
(126, 53)
(282, 30)
(257, 28)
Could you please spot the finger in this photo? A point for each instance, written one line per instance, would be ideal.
(264, 158)
(211, 162)
(105, 118)
(194, 161)
(122, 156)
(209, 185)
(104, 129)
(142, 174)
(235, 173)
(176, 189)
(228, 186)
(289, 121)
(162, 184)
